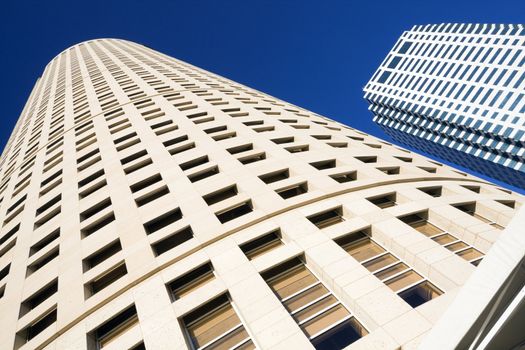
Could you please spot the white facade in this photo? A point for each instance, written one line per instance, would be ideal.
(456, 91)
(146, 203)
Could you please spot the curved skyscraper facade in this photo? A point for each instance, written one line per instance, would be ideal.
(148, 204)
(456, 91)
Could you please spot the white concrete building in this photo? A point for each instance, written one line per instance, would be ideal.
(456, 91)
(148, 204)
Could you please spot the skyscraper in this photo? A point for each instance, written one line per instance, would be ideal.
(456, 91)
(148, 204)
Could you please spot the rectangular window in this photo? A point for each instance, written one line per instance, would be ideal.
(275, 176)
(292, 191)
(37, 327)
(345, 177)
(262, 245)
(191, 281)
(470, 209)
(203, 174)
(38, 297)
(104, 280)
(215, 325)
(235, 212)
(220, 195)
(102, 255)
(324, 320)
(170, 242)
(397, 275)
(432, 191)
(419, 222)
(324, 164)
(163, 221)
(327, 218)
(384, 201)
(114, 328)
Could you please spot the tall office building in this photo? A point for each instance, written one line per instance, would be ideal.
(149, 204)
(456, 91)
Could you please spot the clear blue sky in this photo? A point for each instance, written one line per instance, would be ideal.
(315, 54)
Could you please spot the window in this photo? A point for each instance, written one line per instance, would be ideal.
(97, 225)
(36, 327)
(163, 221)
(215, 325)
(194, 163)
(470, 209)
(345, 177)
(324, 164)
(432, 191)
(508, 203)
(389, 170)
(190, 281)
(200, 175)
(420, 223)
(38, 297)
(292, 191)
(44, 242)
(42, 261)
(327, 218)
(114, 328)
(324, 320)
(104, 280)
(86, 214)
(101, 255)
(397, 275)
(262, 245)
(367, 159)
(384, 201)
(235, 212)
(275, 176)
(220, 195)
(475, 189)
(170, 242)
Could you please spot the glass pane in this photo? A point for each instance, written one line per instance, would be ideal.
(117, 332)
(471, 253)
(379, 262)
(292, 281)
(363, 249)
(305, 297)
(426, 228)
(263, 249)
(316, 307)
(444, 239)
(420, 294)
(392, 270)
(229, 340)
(190, 287)
(456, 246)
(340, 336)
(324, 320)
(216, 323)
(403, 280)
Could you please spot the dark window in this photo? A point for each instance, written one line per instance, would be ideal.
(432, 191)
(97, 225)
(367, 159)
(220, 195)
(172, 241)
(38, 326)
(163, 221)
(102, 255)
(262, 244)
(203, 174)
(345, 177)
(44, 242)
(324, 164)
(275, 176)
(114, 327)
(38, 297)
(293, 191)
(190, 281)
(194, 163)
(384, 201)
(235, 212)
(327, 218)
(106, 279)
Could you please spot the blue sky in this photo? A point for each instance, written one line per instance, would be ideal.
(315, 54)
